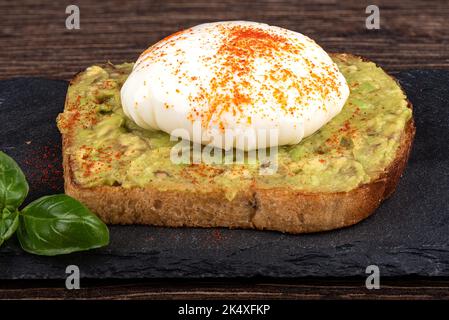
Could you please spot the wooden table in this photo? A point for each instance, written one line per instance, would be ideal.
(35, 42)
(247, 289)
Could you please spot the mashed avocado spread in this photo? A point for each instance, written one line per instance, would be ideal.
(354, 148)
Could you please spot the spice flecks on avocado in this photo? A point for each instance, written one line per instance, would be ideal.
(353, 148)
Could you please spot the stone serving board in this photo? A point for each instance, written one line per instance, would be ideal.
(408, 235)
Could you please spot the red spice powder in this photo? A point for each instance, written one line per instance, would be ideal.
(216, 233)
(240, 49)
(45, 167)
(96, 160)
(231, 89)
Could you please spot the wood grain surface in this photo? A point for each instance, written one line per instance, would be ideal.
(34, 39)
(35, 42)
(310, 289)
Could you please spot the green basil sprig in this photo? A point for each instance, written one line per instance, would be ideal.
(51, 225)
(13, 190)
(13, 185)
(59, 224)
(9, 221)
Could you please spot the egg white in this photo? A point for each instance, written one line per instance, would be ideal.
(171, 87)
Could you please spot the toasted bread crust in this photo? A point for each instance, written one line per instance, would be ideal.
(279, 209)
(298, 212)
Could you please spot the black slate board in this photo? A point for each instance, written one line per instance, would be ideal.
(408, 235)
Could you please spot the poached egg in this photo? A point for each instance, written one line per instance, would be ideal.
(235, 79)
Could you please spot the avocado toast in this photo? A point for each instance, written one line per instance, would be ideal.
(334, 178)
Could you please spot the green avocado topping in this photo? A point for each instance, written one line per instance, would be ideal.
(353, 148)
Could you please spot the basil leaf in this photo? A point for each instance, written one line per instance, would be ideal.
(59, 224)
(9, 220)
(13, 185)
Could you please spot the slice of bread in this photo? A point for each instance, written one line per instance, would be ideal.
(279, 208)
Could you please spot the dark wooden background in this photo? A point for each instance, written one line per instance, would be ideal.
(245, 289)
(34, 42)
